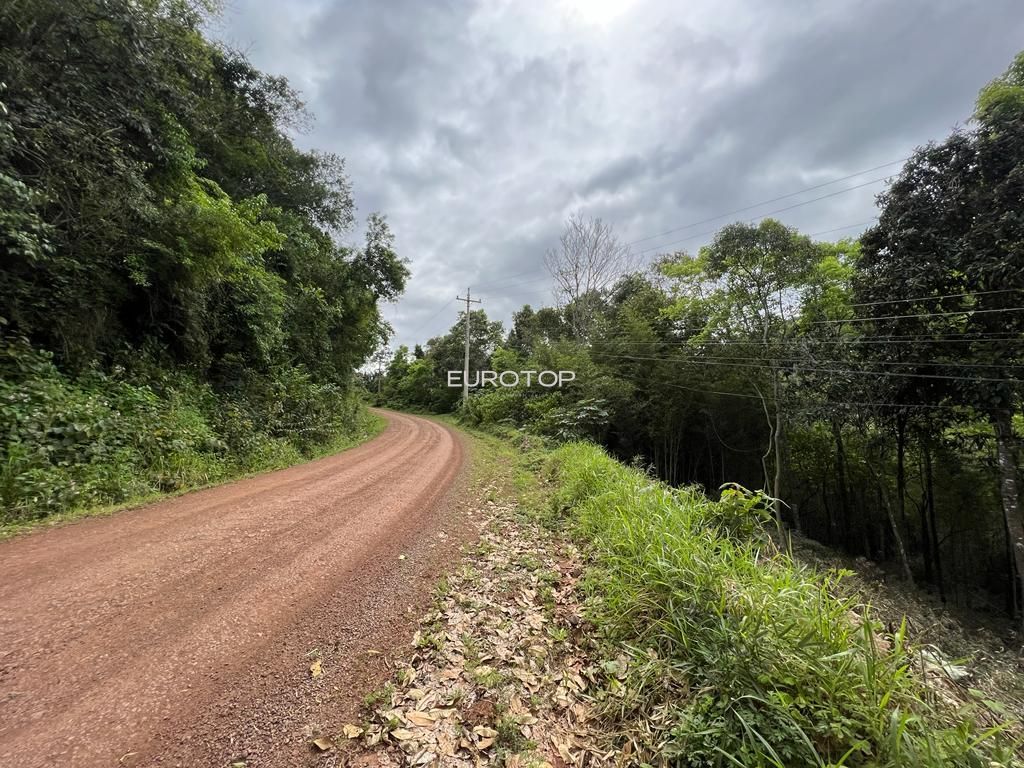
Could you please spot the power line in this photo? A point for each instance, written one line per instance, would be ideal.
(768, 202)
(766, 215)
(941, 296)
(810, 369)
(427, 322)
(918, 315)
(882, 338)
(826, 403)
(798, 344)
(503, 287)
(744, 209)
(501, 284)
(846, 226)
(508, 277)
(442, 309)
(923, 337)
(790, 359)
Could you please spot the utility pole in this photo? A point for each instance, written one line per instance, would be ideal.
(465, 366)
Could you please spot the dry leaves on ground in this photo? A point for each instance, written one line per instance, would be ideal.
(499, 672)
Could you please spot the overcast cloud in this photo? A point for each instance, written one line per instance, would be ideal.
(478, 126)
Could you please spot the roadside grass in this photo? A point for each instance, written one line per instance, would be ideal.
(512, 461)
(723, 651)
(370, 425)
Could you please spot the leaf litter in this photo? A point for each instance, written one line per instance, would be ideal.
(499, 671)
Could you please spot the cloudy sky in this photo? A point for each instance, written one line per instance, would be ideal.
(478, 126)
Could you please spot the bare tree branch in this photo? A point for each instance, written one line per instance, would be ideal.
(586, 263)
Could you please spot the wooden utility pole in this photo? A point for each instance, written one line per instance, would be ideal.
(465, 365)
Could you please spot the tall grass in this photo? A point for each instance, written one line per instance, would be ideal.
(729, 653)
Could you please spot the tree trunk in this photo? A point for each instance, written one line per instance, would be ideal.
(1012, 601)
(865, 527)
(897, 538)
(777, 446)
(926, 550)
(934, 528)
(844, 499)
(922, 514)
(826, 506)
(780, 448)
(764, 457)
(933, 532)
(1003, 427)
(901, 468)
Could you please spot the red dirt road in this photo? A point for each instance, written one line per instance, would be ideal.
(182, 633)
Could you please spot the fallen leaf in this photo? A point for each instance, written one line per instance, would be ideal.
(420, 718)
(315, 669)
(402, 734)
(323, 744)
(352, 731)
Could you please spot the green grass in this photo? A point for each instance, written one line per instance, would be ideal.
(369, 427)
(726, 652)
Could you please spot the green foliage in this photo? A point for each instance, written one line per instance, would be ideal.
(1003, 98)
(745, 280)
(96, 439)
(152, 195)
(577, 420)
(423, 383)
(731, 653)
(172, 297)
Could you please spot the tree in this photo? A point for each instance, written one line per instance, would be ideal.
(745, 288)
(165, 243)
(947, 257)
(532, 328)
(588, 260)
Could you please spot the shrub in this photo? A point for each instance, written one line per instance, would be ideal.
(95, 439)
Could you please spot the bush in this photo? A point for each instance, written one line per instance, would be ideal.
(731, 653)
(69, 443)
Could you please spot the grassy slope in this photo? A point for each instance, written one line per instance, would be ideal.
(736, 655)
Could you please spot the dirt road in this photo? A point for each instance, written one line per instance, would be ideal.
(182, 633)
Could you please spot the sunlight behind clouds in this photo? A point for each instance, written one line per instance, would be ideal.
(599, 12)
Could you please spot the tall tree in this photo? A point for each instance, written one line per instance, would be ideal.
(745, 290)
(586, 263)
(948, 258)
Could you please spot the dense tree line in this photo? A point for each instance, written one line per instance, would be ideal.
(167, 247)
(872, 387)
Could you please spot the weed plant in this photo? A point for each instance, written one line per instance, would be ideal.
(725, 652)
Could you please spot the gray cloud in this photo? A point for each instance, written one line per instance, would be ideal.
(477, 126)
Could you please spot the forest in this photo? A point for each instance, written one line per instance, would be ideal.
(179, 300)
(870, 386)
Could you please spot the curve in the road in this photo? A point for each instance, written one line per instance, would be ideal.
(122, 638)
